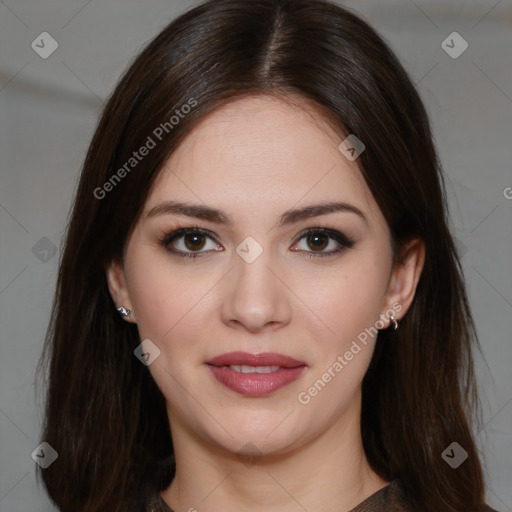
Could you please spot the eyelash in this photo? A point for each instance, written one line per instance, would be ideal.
(344, 241)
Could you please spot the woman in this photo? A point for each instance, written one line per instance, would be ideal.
(259, 304)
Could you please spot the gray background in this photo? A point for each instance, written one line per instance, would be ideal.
(49, 108)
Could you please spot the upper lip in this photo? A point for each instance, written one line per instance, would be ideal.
(262, 359)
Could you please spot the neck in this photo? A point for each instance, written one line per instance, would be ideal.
(328, 473)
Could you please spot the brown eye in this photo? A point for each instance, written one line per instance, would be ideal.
(322, 242)
(318, 241)
(194, 241)
(190, 242)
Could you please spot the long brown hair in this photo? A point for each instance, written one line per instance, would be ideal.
(105, 415)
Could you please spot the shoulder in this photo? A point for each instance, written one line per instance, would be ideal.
(393, 498)
(157, 504)
(147, 502)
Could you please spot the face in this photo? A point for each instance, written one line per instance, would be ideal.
(263, 270)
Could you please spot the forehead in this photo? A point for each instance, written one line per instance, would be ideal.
(262, 152)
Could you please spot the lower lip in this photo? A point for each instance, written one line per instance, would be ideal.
(255, 384)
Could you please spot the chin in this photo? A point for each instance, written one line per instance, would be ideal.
(266, 438)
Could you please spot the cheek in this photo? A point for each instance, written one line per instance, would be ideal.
(352, 302)
(168, 308)
(349, 307)
(161, 296)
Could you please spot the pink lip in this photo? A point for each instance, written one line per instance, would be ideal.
(255, 384)
(263, 359)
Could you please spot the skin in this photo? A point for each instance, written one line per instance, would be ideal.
(254, 159)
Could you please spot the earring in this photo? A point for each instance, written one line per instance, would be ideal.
(123, 311)
(393, 323)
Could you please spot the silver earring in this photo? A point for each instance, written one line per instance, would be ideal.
(393, 322)
(123, 311)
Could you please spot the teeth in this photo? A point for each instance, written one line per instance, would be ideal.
(253, 369)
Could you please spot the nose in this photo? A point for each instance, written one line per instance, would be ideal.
(256, 297)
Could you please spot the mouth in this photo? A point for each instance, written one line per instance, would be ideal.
(255, 374)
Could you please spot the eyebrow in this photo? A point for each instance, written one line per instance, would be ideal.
(292, 216)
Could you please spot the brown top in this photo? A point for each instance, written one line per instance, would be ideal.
(390, 498)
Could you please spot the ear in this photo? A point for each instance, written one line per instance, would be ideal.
(116, 281)
(405, 276)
